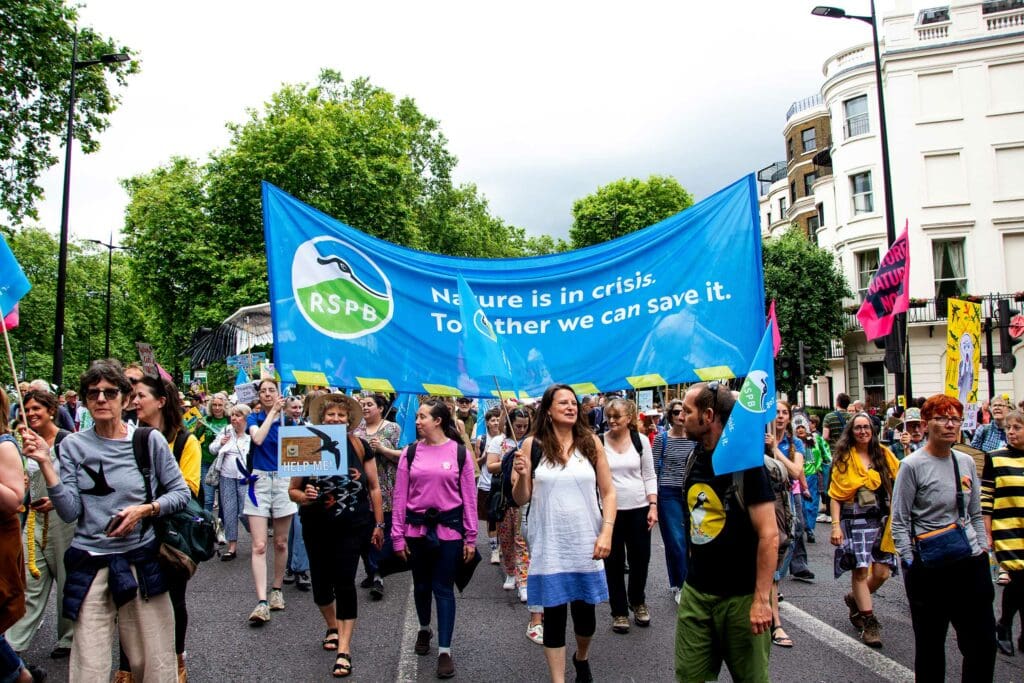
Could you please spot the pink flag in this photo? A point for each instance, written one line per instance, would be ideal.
(889, 291)
(164, 375)
(776, 335)
(11, 321)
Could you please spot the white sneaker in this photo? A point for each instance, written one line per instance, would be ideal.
(510, 583)
(495, 556)
(536, 633)
(676, 592)
(522, 594)
(823, 518)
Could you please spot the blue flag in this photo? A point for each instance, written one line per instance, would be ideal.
(13, 283)
(241, 378)
(405, 416)
(481, 348)
(742, 444)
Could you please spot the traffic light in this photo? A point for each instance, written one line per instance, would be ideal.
(1006, 340)
(785, 367)
(802, 360)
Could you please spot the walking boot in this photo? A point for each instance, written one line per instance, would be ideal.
(872, 633)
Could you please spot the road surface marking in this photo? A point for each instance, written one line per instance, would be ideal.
(407, 659)
(887, 669)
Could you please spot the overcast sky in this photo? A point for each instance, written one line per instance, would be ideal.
(542, 102)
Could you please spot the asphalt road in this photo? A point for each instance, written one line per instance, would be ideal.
(490, 642)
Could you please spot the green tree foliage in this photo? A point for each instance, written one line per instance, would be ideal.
(624, 206)
(32, 340)
(36, 40)
(351, 149)
(808, 287)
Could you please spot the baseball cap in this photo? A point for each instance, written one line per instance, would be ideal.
(913, 415)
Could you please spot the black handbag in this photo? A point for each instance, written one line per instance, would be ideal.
(948, 544)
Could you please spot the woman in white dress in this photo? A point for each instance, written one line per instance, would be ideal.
(569, 530)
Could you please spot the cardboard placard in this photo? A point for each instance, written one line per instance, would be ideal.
(312, 451)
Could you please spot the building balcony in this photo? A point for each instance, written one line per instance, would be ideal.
(835, 349)
(805, 103)
(933, 311)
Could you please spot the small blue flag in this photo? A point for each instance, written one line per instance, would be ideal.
(13, 283)
(241, 378)
(741, 446)
(482, 352)
(405, 416)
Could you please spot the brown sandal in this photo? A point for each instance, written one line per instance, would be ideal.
(330, 641)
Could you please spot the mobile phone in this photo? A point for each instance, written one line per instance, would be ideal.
(38, 502)
(115, 521)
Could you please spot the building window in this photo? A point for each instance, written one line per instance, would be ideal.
(808, 139)
(867, 264)
(789, 149)
(782, 207)
(950, 271)
(769, 217)
(792, 192)
(812, 228)
(856, 112)
(874, 384)
(809, 179)
(821, 214)
(860, 189)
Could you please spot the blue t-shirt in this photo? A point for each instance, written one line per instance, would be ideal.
(264, 456)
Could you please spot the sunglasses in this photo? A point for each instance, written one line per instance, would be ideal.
(109, 394)
(677, 411)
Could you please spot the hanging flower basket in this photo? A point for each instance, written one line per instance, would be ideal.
(1018, 296)
(973, 298)
(918, 303)
(852, 308)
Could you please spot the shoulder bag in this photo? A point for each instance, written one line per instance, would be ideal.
(948, 544)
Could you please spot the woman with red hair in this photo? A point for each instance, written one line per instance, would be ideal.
(939, 533)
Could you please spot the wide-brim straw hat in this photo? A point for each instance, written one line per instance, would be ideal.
(355, 409)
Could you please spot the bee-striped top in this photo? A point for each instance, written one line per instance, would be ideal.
(1002, 499)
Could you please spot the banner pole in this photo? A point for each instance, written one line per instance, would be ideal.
(14, 373)
(508, 418)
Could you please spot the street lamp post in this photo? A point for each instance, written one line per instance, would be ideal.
(110, 264)
(903, 384)
(62, 259)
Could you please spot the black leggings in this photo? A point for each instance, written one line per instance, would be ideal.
(584, 622)
(632, 540)
(1013, 599)
(333, 561)
(176, 589)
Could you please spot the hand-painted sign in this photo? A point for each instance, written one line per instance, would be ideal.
(312, 451)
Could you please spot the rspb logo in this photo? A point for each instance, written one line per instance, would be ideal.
(339, 290)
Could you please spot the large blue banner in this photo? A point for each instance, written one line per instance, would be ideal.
(679, 301)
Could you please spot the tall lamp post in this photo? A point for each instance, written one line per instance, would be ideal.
(110, 264)
(903, 385)
(62, 261)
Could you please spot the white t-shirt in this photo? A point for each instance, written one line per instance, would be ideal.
(498, 444)
(632, 473)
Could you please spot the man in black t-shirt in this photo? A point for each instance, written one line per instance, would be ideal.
(724, 609)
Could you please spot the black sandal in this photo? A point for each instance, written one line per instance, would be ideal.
(342, 665)
(330, 641)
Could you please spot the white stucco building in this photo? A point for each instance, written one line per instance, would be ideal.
(954, 98)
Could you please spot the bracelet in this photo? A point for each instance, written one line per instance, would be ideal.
(152, 509)
(609, 523)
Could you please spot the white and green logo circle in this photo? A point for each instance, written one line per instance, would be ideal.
(483, 325)
(340, 291)
(754, 394)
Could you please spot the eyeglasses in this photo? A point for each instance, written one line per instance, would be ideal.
(675, 412)
(948, 420)
(109, 394)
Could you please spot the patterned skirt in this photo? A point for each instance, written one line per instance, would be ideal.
(862, 539)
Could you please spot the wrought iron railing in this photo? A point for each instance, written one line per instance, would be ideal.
(931, 311)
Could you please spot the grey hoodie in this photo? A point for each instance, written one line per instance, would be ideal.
(99, 477)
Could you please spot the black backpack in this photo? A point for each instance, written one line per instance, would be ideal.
(501, 483)
(634, 436)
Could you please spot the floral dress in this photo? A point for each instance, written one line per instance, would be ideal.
(389, 433)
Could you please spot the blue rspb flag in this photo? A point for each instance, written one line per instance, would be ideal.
(13, 283)
(679, 301)
(742, 444)
(481, 346)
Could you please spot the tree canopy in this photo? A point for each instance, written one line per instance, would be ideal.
(807, 286)
(36, 40)
(624, 206)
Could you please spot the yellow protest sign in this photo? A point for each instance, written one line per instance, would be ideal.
(963, 351)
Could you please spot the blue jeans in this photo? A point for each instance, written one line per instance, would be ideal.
(208, 491)
(433, 571)
(298, 560)
(811, 506)
(10, 662)
(826, 479)
(673, 533)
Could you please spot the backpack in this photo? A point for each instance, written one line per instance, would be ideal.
(501, 498)
(778, 478)
(634, 436)
(186, 537)
(410, 455)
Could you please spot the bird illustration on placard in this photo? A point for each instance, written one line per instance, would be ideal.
(329, 445)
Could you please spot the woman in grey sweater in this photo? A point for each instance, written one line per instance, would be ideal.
(114, 577)
(957, 591)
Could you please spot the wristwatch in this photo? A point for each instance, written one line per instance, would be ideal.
(379, 525)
